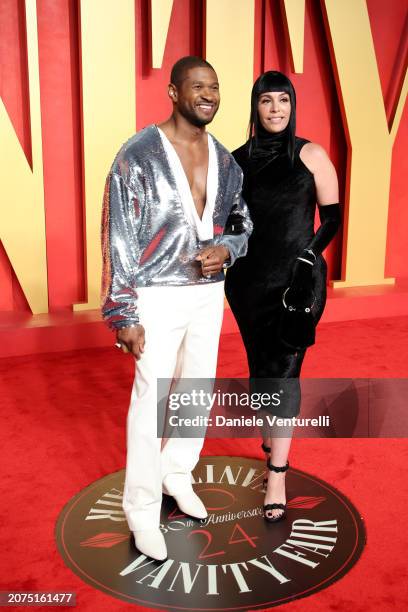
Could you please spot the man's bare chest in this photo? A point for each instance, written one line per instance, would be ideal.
(195, 166)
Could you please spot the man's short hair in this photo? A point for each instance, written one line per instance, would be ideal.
(185, 63)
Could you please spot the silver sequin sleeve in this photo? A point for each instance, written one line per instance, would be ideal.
(237, 241)
(120, 254)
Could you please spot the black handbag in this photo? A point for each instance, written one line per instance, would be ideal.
(297, 326)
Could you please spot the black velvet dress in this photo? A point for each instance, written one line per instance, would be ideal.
(281, 197)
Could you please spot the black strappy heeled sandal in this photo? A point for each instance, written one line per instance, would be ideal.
(267, 510)
(266, 449)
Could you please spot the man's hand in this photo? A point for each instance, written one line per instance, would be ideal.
(133, 338)
(212, 259)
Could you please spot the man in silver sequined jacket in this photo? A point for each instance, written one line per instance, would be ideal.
(173, 218)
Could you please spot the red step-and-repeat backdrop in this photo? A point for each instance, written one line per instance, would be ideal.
(329, 111)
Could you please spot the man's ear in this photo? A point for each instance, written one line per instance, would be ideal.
(172, 93)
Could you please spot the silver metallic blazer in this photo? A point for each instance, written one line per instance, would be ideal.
(146, 237)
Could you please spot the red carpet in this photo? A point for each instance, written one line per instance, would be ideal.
(63, 426)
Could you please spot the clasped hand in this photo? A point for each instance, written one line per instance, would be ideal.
(212, 259)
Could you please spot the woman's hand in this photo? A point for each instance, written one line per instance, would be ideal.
(300, 292)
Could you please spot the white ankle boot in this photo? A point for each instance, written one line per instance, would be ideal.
(151, 543)
(191, 504)
(188, 502)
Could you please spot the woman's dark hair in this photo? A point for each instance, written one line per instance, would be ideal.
(272, 81)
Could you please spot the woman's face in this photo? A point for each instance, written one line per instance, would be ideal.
(274, 110)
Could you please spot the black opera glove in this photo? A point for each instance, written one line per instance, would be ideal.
(330, 219)
(234, 224)
(300, 292)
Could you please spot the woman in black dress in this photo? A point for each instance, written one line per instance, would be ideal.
(284, 178)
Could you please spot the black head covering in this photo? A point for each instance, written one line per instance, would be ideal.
(265, 145)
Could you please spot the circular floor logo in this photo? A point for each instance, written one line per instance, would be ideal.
(234, 560)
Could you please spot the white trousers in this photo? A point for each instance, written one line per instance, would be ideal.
(182, 329)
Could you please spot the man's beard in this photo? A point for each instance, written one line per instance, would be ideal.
(193, 119)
